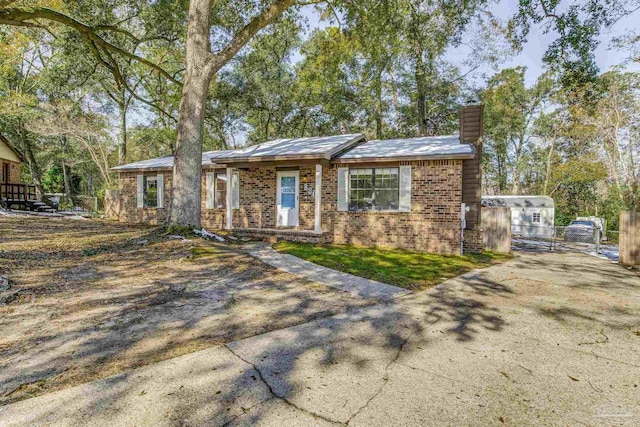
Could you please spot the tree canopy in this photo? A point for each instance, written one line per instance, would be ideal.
(86, 85)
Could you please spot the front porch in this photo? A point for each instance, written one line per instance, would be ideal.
(22, 196)
(281, 201)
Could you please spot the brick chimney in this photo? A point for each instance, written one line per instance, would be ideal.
(471, 133)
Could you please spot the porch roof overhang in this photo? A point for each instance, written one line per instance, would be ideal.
(319, 149)
(311, 148)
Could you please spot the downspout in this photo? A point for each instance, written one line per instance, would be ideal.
(463, 225)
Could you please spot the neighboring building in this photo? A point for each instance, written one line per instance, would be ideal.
(14, 194)
(10, 160)
(531, 216)
(404, 193)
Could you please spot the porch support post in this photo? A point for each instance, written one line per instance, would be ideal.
(229, 215)
(318, 201)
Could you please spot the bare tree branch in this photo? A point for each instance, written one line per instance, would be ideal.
(218, 59)
(24, 18)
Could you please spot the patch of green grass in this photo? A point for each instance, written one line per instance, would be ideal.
(89, 252)
(206, 251)
(407, 269)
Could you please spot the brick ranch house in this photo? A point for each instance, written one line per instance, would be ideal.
(400, 193)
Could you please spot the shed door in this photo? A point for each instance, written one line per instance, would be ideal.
(287, 198)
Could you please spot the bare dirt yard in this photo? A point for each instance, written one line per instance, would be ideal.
(95, 298)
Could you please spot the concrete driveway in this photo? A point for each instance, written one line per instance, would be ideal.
(545, 339)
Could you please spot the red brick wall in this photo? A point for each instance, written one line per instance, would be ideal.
(130, 212)
(433, 224)
(211, 219)
(257, 200)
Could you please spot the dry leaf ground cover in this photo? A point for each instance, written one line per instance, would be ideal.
(95, 298)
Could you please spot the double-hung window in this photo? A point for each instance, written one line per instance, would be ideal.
(218, 185)
(150, 186)
(375, 189)
(150, 191)
(220, 190)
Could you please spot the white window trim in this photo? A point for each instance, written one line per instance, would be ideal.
(348, 191)
(533, 218)
(141, 196)
(210, 190)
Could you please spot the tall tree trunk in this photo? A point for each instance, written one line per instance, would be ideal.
(66, 170)
(547, 175)
(34, 170)
(378, 103)
(396, 100)
(187, 165)
(421, 89)
(122, 137)
(201, 66)
(519, 144)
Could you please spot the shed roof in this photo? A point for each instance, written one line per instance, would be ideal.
(518, 201)
(432, 147)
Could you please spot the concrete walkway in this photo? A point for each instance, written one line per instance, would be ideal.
(545, 339)
(357, 286)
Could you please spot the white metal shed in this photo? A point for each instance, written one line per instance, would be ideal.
(531, 216)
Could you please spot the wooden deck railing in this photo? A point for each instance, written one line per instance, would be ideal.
(17, 192)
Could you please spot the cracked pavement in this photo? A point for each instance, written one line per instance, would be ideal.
(545, 339)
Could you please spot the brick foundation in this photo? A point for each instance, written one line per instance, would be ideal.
(288, 235)
(473, 241)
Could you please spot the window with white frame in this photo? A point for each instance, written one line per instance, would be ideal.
(536, 218)
(220, 190)
(150, 188)
(374, 189)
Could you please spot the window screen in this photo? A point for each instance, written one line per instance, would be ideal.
(150, 191)
(220, 190)
(373, 189)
